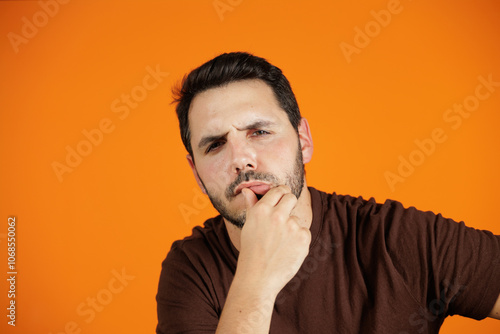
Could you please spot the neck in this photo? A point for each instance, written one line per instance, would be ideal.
(302, 210)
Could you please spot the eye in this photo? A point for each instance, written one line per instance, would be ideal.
(260, 133)
(214, 146)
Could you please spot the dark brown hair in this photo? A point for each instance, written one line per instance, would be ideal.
(227, 68)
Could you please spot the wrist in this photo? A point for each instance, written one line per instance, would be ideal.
(255, 287)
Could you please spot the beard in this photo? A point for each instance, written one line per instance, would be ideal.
(295, 180)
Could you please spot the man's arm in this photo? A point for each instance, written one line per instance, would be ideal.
(273, 247)
(495, 312)
(248, 309)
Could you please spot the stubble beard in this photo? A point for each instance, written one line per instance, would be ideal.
(294, 180)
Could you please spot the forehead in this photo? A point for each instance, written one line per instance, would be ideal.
(234, 105)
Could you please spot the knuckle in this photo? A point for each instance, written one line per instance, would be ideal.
(306, 236)
(293, 226)
(278, 216)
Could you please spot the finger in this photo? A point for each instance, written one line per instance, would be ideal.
(274, 195)
(250, 198)
(287, 203)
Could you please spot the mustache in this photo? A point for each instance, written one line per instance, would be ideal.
(246, 177)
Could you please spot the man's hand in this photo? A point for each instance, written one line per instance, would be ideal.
(273, 244)
(272, 249)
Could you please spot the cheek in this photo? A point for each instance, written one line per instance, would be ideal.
(280, 154)
(213, 176)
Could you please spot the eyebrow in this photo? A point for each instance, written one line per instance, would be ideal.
(255, 125)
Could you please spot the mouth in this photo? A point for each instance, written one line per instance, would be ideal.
(258, 187)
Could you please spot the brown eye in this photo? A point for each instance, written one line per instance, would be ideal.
(260, 133)
(214, 146)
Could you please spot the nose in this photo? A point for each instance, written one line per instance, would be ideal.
(243, 157)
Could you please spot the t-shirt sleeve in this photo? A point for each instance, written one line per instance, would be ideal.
(183, 300)
(449, 268)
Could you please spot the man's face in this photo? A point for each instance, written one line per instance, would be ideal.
(242, 138)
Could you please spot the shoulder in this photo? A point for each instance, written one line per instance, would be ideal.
(205, 242)
(349, 207)
(203, 261)
(192, 280)
(347, 204)
(368, 218)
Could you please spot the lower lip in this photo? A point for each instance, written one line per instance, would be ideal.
(261, 189)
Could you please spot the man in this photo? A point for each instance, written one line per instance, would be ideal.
(286, 258)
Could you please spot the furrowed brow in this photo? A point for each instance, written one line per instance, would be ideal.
(258, 125)
(255, 125)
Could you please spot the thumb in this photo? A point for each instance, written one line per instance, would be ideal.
(250, 198)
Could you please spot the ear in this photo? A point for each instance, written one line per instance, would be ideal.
(195, 173)
(306, 142)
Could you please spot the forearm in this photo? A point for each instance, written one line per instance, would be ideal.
(248, 308)
(495, 312)
(273, 247)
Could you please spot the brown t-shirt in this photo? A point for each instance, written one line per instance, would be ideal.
(371, 268)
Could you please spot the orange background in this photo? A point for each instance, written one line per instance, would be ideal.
(121, 207)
